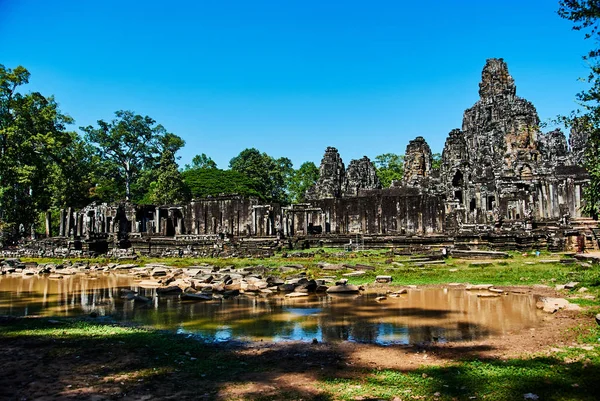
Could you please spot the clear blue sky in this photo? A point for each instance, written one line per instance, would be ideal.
(290, 77)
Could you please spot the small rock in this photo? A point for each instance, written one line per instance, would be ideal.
(559, 287)
(379, 299)
(383, 279)
(582, 289)
(531, 396)
(598, 318)
(571, 285)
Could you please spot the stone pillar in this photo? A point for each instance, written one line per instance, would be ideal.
(179, 226)
(48, 224)
(80, 224)
(61, 229)
(68, 222)
(157, 220)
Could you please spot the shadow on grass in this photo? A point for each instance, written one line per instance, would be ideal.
(71, 359)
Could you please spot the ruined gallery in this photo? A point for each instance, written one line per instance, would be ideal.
(503, 184)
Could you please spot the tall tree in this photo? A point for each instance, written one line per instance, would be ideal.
(130, 144)
(201, 161)
(33, 147)
(585, 15)
(271, 175)
(390, 167)
(169, 187)
(301, 180)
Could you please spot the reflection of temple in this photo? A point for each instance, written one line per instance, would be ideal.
(502, 184)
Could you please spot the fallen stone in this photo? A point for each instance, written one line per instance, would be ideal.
(559, 287)
(126, 266)
(571, 285)
(383, 279)
(172, 289)
(493, 295)
(343, 289)
(582, 289)
(149, 284)
(379, 299)
(598, 318)
(354, 274)
(496, 290)
(400, 292)
(158, 271)
(549, 261)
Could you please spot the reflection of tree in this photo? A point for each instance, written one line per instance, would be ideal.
(420, 316)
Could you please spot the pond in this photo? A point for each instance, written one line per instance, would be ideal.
(421, 315)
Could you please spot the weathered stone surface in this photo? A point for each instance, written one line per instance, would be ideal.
(417, 161)
(503, 185)
(361, 174)
(343, 289)
(331, 176)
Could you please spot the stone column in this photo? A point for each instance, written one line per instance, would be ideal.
(80, 224)
(157, 220)
(68, 222)
(61, 229)
(48, 226)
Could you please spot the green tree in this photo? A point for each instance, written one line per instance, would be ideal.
(203, 182)
(34, 153)
(437, 161)
(301, 180)
(201, 161)
(129, 146)
(271, 175)
(390, 167)
(585, 15)
(169, 186)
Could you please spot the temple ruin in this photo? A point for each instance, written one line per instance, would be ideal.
(503, 184)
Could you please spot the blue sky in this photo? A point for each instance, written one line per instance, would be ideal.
(290, 77)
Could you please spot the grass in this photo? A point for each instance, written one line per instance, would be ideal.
(569, 373)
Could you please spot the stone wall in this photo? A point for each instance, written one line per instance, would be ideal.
(500, 177)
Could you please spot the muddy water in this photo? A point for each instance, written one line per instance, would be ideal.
(419, 316)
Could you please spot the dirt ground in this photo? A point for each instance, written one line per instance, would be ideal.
(42, 369)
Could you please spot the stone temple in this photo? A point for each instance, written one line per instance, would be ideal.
(503, 184)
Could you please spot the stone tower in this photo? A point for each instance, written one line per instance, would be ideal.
(361, 174)
(331, 177)
(417, 161)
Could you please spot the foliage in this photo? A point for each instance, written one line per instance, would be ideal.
(203, 182)
(301, 180)
(201, 161)
(127, 146)
(585, 14)
(390, 167)
(169, 187)
(437, 161)
(271, 175)
(39, 160)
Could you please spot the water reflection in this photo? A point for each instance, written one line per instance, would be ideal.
(420, 316)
